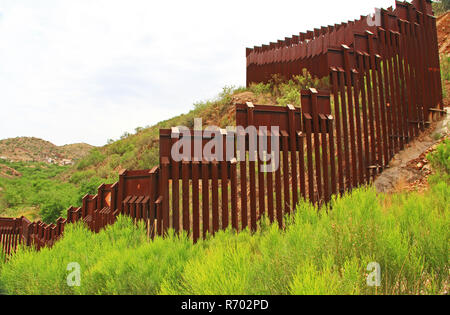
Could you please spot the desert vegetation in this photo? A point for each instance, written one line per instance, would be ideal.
(35, 190)
(320, 251)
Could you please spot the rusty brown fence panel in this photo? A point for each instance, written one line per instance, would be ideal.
(307, 50)
(205, 209)
(282, 190)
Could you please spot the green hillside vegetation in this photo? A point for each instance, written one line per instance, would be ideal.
(321, 251)
(37, 193)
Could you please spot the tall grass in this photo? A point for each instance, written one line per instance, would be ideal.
(118, 260)
(440, 158)
(324, 252)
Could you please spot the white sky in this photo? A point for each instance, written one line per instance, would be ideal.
(89, 70)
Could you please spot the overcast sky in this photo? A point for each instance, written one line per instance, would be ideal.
(90, 70)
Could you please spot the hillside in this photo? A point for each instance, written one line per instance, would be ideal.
(8, 172)
(75, 151)
(33, 189)
(25, 149)
(443, 28)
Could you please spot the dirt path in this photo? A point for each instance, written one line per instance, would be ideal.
(409, 169)
(443, 29)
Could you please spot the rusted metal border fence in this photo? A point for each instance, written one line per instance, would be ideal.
(385, 88)
(410, 30)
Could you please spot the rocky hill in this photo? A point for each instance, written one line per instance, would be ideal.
(25, 149)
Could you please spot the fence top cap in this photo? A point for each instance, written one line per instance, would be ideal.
(291, 107)
(250, 104)
(313, 90)
(122, 172)
(223, 132)
(345, 47)
(369, 32)
(175, 130)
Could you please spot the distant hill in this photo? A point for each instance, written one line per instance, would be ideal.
(24, 149)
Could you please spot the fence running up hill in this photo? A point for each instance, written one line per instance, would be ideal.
(385, 89)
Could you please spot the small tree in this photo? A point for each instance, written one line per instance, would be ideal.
(52, 210)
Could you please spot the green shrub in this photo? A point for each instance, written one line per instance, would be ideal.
(78, 177)
(440, 160)
(118, 260)
(261, 88)
(89, 187)
(289, 91)
(149, 158)
(114, 161)
(37, 188)
(317, 253)
(328, 280)
(53, 208)
(94, 157)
